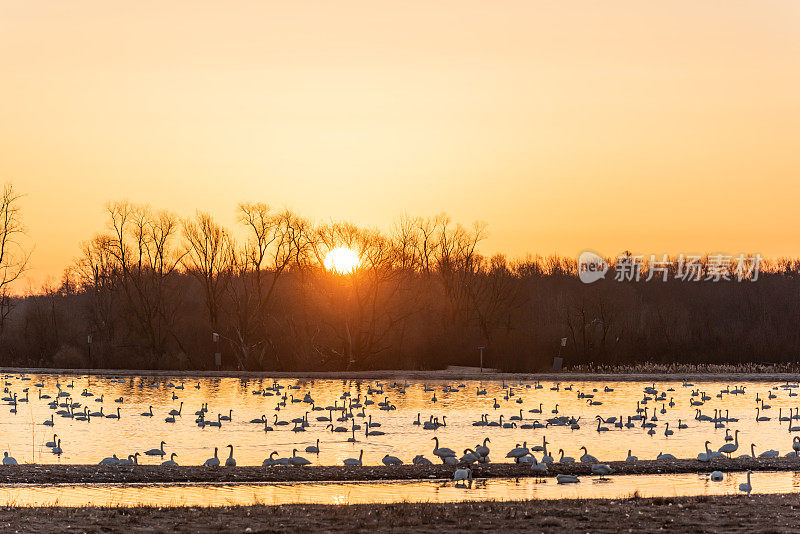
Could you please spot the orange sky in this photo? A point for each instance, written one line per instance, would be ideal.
(651, 126)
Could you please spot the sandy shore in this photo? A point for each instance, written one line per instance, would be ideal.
(454, 374)
(723, 514)
(79, 474)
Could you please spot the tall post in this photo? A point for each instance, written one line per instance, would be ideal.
(480, 348)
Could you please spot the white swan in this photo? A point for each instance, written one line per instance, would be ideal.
(157, 452)
(461, 476)
(171, 462)
(442, 452)
(355, 461)
(588, 458)
(314, 449)
(212, 462)
(746, 486)
(567, 479)
(391, 460)
(729, 448)
(297, 460)
(230, 461)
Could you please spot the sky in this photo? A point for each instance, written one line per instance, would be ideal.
(657, 127)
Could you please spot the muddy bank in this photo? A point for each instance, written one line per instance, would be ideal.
(723, 514)
(452, 374)
(77, 474)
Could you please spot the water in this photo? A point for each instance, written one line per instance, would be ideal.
(23, 434)
(389, 492)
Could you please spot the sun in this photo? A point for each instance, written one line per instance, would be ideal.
(342, 260)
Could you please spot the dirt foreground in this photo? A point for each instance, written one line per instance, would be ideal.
(728, 514)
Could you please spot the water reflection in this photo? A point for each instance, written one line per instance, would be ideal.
(391, 491)
(85, 442)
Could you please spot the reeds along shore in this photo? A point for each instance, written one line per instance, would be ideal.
(150, 290)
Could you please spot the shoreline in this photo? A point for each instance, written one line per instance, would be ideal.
(156, 474)
(456, 374)
(718, 514)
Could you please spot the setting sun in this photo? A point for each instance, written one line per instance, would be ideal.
(342, 260)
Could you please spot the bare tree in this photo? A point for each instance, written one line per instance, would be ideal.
(13, 254)
(209, 258)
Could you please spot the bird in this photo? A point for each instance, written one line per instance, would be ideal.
(391, 460)
(729, 448)
(461, 476)
(157, 452)
(517, 452)
(111, 460)
(538, 467)
(631, 458)
(212, 462)
(171, 462)
(314, 449)
(230, 461)
(716, 476)
(355, 461)
(567, 479)
(565, 459)
(8, 460)
(601, 469)
(588, 458)
(297, 460)
(442, 452)
(746, 486)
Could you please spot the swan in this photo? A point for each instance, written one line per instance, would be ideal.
(729, 448)
(567, 479)
(157, 452)
(227, 417)
(230, 461)
(588, 458)
(148, 413)
(8, 460)
(355, 461)
(631, 458)
(565, 459)
(538, 467)
(171, 462)
(297, 460)
(392, 460)
(665, 456)
(49, 422)
(174, 412)
(470, 457)
(212, 462)
(746, 486)
(463, 475)
(796, 445)
(442, 452)
(483, 450)
(716, 476)
(772, 453)
(53, 443)
(111, 460)
(421, 460)
(57, 449)
(601, 469)
(517, 452)
(314, 449)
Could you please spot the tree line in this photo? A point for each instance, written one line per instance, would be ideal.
(151, 290)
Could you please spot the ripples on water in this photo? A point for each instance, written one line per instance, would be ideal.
(391, 491)
(23, 434)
